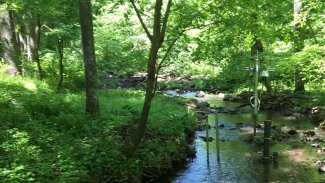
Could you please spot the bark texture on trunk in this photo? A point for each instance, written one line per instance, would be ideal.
(86, 24)
(11, 49)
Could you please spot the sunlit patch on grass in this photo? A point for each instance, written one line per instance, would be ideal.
(297, 156)
(30, 86)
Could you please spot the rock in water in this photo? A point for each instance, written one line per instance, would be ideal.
(206, 139)
(199, 94)
(203, 105)
(221, 126)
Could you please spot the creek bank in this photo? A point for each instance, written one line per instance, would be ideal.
(175, 158)
(291, 105)
(168, 81)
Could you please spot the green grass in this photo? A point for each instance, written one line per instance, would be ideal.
(46, 136)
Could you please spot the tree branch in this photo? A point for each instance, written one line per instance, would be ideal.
(164, 26)
(141, 20)
(165, 57)
(186, 28)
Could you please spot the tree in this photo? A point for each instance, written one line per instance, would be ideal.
(61, 66)
(156, 39)
(86, 24)
(298, 44)
(30, 38)
(28, 29)
(11, 50)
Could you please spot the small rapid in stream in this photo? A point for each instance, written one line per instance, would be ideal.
(240, 161)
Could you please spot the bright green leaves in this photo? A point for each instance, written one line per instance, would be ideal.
(312, 60)
(120, 50)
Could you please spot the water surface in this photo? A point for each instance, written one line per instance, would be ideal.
(240, 161)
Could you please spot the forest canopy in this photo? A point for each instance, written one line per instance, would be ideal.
(81, 82)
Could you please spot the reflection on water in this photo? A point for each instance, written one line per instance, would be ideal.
(238, 162)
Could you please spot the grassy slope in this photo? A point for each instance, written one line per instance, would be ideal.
(46, 137)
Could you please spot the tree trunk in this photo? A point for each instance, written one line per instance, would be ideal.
(298, 45)
(23, 44)
(11, 49)
(34, 36)
(268, 85)
(86, 24)
(61, 66)
(157, 40)
(142, 123)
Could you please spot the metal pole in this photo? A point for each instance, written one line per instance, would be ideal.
(207, 140)
(217, 135)
(256, 94)
(267, 135)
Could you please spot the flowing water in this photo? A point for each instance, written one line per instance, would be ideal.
(240, 161)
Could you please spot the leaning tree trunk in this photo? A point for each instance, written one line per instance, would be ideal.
(298, 45)
(86, 24)
(157, 39)
(11, 49)
(142, 123)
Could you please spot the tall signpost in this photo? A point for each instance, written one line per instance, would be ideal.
(254, 100)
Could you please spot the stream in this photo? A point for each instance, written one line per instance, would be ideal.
(240, 161)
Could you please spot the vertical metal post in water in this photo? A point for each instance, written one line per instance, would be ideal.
(256, 94)
(217, 135)
(267, 138)
(207, 139)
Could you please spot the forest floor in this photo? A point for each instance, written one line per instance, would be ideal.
(47, 137)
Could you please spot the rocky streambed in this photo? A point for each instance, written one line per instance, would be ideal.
(297, 143)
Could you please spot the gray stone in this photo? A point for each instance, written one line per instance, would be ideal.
(321, 166)
(309, 133)
(200, 94)
(288, 130)
(315, 145)
(203, 105)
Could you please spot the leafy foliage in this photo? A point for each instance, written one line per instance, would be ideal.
(46, 137)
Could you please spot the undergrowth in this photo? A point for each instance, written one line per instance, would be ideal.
(46, 136)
